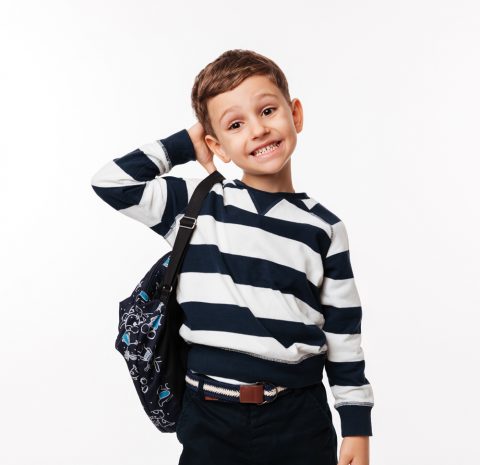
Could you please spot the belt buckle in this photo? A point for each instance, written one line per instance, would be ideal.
(271, 400)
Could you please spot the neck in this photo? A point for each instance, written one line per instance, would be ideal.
(276, 182)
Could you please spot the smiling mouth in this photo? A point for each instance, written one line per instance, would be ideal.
(266, 150)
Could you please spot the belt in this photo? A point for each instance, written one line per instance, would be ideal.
(258, 393)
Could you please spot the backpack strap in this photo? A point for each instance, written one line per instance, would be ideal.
(185, 231)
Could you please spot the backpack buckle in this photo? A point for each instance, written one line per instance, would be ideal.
(189, 225)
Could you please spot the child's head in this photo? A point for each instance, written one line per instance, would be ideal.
(228, 102)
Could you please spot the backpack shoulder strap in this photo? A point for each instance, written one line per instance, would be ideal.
(185, 231)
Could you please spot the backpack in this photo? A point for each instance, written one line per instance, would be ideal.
(149, 323)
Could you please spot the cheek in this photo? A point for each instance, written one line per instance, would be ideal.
(229, 147)
(239, 147)
(290, 141)
(235, 149)
(286, 125)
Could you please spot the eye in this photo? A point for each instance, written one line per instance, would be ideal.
(269, 108)
(230, 127)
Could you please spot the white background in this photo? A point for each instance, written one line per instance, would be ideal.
(390, 143)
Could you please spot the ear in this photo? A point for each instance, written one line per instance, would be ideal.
(214, 145)
(297, 114)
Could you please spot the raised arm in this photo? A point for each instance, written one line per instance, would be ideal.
(345, 365)
(133, 184)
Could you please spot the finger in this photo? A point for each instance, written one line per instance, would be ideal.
(343, 461)
(359, 460)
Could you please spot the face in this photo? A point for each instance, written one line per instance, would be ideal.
(253, 115)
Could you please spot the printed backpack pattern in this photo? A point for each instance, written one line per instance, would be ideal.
(141, 331)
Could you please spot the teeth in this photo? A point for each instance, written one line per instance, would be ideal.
(266, 149)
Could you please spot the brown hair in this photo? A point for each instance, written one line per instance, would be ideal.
(228, 71)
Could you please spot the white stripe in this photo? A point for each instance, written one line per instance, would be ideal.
(152, 204)
(344, 347)
(156, 154)
(339, 239)
(226, 380)
(171, 234)
(191, 184)
(285, 210)
(239, 198)
(228, 183)
(262, 302)
(353, 395)
(238, 239)
(264, 347)
(111, 175)
(339, 293)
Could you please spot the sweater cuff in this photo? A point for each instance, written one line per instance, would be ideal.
(355, 420)
(179, 148)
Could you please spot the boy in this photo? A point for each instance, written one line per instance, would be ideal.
(266, 286)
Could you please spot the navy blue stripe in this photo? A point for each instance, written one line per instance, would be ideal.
(236, 365)
(251, 271)
(120, 197)
(137, 165)
(161, 228)
(177, 200)
(326, 215)
(346, 320)
(239, 320)
(338, 266)
(346, 373)
(179, 147)
(273, 195)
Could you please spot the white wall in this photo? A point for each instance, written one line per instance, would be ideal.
(390, 143)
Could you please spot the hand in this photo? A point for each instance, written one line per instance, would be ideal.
(354, 451)
(202, 153)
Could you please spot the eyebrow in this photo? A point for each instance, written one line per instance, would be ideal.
(234, 107)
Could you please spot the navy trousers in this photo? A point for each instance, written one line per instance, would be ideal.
(295, 429)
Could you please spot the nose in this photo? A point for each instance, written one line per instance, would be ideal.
(258, 128)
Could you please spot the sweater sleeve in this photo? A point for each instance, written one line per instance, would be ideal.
(345, 363)
(133, 184)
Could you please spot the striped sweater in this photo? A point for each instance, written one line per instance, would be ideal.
(266, 286)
